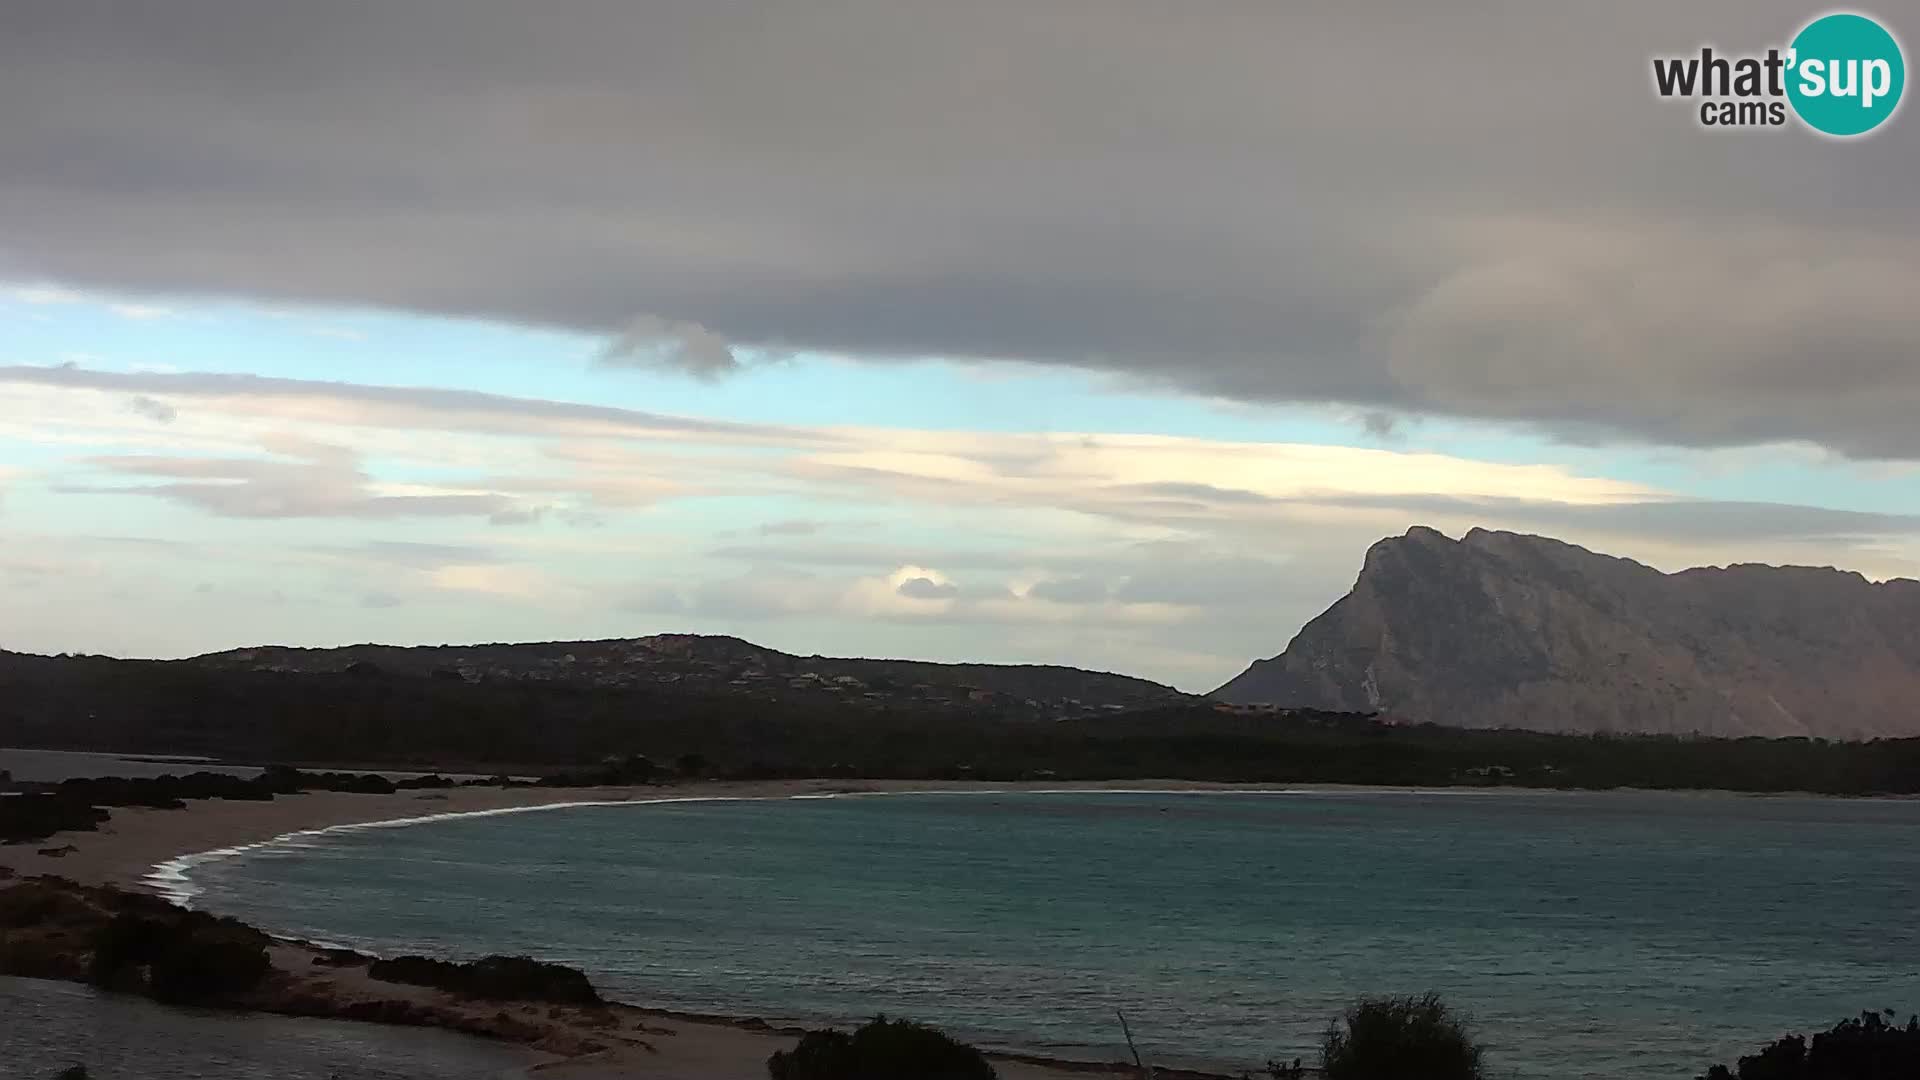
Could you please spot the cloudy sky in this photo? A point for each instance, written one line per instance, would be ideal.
(1106, 333)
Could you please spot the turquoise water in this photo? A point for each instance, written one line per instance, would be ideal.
(1590, 935)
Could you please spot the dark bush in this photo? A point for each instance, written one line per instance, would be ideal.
(27, 818)
(122, 946)
(516, 978)
(431, 781)
(882, 1049)
(1399, 1038)
(197, 968)
(615, 771)
(417, 971)
(35, 957)
(495, 978)
(1872, 1047)
(42, 902)
(190, 956)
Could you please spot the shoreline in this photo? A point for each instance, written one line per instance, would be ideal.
(153, 851)
(128, 850)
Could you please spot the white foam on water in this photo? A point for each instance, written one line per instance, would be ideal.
(172, 880)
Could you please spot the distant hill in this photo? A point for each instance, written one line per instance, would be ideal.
(726, 664)
(528, 709)
(1505, 630)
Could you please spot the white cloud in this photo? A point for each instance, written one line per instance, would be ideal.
(493, 579)
(44, 294)
(1123, 551)
(142, 312)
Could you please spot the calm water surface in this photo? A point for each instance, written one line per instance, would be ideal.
(1590, 935)
(47, 1026)
(51, 766)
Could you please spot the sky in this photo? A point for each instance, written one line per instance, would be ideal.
(1099, 333)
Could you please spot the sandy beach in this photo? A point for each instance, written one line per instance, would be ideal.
(125, 850)
(641, 1043)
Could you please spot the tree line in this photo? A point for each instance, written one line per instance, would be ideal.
(405, 721)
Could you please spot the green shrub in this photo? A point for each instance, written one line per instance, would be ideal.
(880, 1050)
(1400, 1038)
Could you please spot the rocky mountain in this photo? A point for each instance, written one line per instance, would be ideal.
(1504, 630)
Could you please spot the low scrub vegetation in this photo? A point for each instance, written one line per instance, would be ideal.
(50, 928)
(26, 818)
(1871, 1047)
(882, 1049)
(93, 703)
(1400, 1038)
(39, 810)
(178, 956)
(495, 978)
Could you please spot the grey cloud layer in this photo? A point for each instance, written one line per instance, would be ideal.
(321, 482)
(1473, 209)
(425, 407)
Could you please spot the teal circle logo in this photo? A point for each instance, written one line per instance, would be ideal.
(1846, 75)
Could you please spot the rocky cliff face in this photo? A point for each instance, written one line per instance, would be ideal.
(1504, 630)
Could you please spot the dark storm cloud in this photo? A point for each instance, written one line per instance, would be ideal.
(1479, 210)
(689, 348)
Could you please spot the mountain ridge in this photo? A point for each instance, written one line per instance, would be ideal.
(715, 659)
(1502, 629)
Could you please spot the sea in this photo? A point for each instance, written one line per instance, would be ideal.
(47, 1027)
(1608, 935)
(53, 766)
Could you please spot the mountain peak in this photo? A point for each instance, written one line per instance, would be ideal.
(1503, 629)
